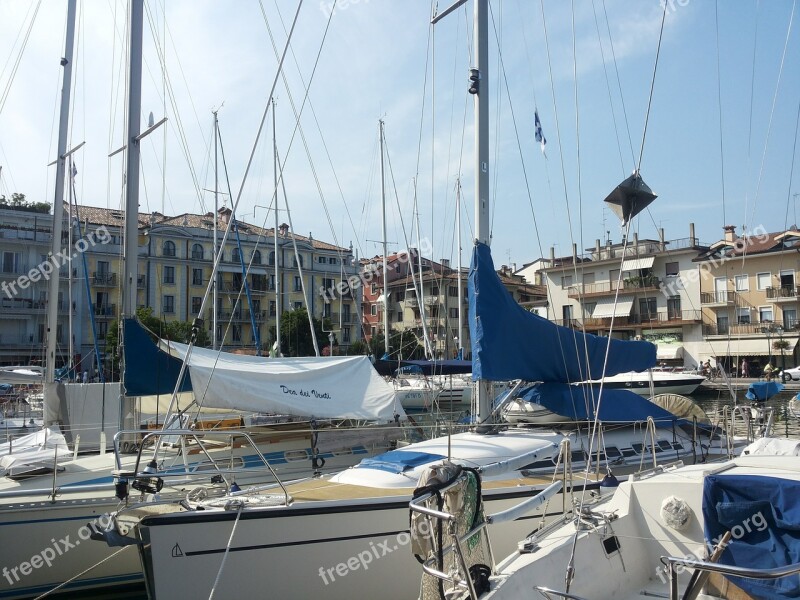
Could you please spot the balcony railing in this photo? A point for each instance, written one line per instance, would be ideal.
(778, 293)
(725, 297)
(104, 279)
(756, 328)
(105, 310)
(610, 287)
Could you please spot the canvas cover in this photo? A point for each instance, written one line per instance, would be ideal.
(325, 387)
(148, 370)
(509, 342)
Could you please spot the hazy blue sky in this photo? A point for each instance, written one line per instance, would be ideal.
(373, 65)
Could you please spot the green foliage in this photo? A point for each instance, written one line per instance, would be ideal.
(296, 339)
(18, 202)
(358, 347)
(177, 331)
(403, 345)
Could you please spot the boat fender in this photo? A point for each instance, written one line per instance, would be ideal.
(676, 513)
(608, 484)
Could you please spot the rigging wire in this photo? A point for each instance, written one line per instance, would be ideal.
(15, 68)
(719, 110)
(652, 88)
(750, 118)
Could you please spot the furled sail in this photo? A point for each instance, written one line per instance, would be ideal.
(508, 342)
(326, 387)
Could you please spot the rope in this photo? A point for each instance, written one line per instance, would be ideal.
(652, 86)
(82, 573)
(227, 551)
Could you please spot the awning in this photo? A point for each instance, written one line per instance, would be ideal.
(748, 347)
(634, 264)
(669, 351)
(606, 308)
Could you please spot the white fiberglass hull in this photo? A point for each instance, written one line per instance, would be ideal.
(663, 383)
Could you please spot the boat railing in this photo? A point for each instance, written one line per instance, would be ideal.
(150, 479)
(756, 422)
(461, 578)
(550, 594)
(676, 564)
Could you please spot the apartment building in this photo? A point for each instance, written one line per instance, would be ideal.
(174, 267)
(428, 304)
(634, 289)
(749, 297)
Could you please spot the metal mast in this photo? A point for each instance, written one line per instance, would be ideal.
(385, 260)
(214, 290)
(277, 258)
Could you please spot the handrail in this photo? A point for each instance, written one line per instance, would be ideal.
(672, 561)
(192, 434)
(548, 593)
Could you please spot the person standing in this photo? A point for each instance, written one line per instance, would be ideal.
(745, 368)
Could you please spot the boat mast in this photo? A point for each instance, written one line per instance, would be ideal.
(385, 260)
(479, 88)
(460, 298)
(277, 258)
(58, 200)
(214, 290)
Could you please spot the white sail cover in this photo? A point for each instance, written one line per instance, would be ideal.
(325, 387)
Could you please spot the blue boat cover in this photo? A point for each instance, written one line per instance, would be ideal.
(509, 342)
(398, 461)
(440, 367)
(763, 516)
(147, 369)
(762, 391)
(579, 402)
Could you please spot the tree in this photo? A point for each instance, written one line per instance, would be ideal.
(18, 202)
(358, 347)
(296, 339)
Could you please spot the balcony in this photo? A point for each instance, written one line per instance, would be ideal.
(754, 329)
(105, 311)
(411, 302)
(606, 288)
(103, 279)
(717, 298)
(788, 293)
(650, 320)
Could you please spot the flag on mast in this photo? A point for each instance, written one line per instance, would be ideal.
(539, 135)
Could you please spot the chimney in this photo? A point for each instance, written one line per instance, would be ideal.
(224, 214)
(597, 247)
(552, 255)
(445, 262)
(574, 253)
(661, 244)
(692, 239)
(283, 229)
(730, 233)
(635, 239)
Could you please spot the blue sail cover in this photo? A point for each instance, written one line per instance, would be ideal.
(148, 370)
(579, 403)
(508, 342)
(763, 516)
(761, 391)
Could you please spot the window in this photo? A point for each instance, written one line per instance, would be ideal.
(298, 285)
(259, 282)
(327, 283)
(272, 258)
(371, 331)
(169, 304)
(373, 289)
(453, 313)
(674, 308)
(326, 311)
(647, 308)
(566, 281)
(763, 280)
(11, 262)
(322, 260)
(102, 330)
(345, 313)
(102, 268)
(741, 282)
(588, 278)
(271, 285)
(333, 260)
(566, 312)
(300, 262)
(743, 316)
(787, 279)
(235, 256)
(236, 331)
(298, 305)
(723, 324)
(671, 268)
(765, 314)
(197, 252)
(435, 290)
(168, 248)
(373, 309)
(789, 318)
(272, 309)
(169, 274)
(346, 335)
(399, 316)
(588, 308)
(256, 257)
(197, 301)
(197, 276)
(452, 291)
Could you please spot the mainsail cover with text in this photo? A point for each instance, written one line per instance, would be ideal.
(509, 342)
(326, 387)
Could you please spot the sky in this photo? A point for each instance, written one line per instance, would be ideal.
(719, 145)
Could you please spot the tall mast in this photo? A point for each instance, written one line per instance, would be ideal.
(130, 258)
(214, 290)
(277, 258)
(458, 280)
(385, 260)
(58, 200)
